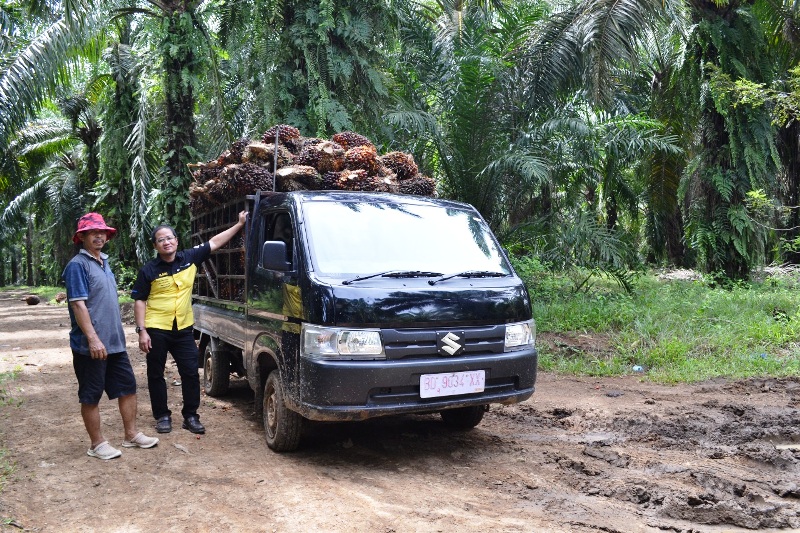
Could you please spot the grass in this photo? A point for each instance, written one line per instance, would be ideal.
(5, 396)
(677, 330)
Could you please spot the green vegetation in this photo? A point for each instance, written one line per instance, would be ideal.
(5, 397)
(677, 330)
(597, 133)
(6, 468)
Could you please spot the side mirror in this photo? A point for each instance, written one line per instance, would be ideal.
(273, 256)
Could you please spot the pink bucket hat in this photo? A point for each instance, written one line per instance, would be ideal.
(91, 221)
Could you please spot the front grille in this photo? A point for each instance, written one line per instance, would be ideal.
(422, 343)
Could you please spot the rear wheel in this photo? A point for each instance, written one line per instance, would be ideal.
(282, 426)
(464, 417)
(216, 372)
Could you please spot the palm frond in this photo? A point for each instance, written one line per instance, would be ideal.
(142, 168)
(13, 218)
(40, 67)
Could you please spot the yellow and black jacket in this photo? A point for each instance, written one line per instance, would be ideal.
(167, 288)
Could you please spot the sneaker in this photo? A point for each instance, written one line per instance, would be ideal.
(140, 441)
(103, 451)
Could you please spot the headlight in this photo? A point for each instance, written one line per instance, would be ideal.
(520, 335)
(335, 343)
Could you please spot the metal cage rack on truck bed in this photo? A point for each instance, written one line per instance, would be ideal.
(222, 276)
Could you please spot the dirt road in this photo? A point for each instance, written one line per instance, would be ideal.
(583, 454)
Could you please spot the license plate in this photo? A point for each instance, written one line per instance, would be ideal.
(452, 384)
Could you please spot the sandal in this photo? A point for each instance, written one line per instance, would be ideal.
(140, 441)
(103, 451)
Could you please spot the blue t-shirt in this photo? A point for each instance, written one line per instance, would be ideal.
(86, 279)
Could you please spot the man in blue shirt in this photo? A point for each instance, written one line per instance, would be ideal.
(97, 339)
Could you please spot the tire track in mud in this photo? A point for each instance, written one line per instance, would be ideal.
(714, 463)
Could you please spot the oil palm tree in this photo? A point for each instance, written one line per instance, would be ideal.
(40, 57)
(734, 150)
(48, 194)
(316, 65)
(43, 46)
(179, 35)
(459, 84)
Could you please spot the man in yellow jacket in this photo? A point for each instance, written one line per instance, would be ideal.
(164, 320)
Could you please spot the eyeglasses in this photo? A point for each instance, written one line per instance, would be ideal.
(162, 240)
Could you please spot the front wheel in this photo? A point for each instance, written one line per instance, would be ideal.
(464, 417)
(282, 426)
(216, 372)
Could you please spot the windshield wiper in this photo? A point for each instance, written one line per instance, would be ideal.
(395, 274)
(469, 274)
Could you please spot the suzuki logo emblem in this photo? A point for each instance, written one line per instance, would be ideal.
(450, 342)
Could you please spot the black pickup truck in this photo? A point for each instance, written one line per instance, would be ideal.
(341, 306)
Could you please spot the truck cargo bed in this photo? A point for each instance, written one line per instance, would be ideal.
(222, 276)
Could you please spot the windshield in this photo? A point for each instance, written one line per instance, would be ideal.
(356, 238)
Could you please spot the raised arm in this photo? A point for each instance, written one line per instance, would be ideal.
(221, 239)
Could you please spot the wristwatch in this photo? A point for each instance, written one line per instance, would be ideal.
(139, 328)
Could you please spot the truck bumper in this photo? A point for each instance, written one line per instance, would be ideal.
(357, 390)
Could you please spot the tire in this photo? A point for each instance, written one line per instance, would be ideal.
(282, 426)
(463, 417)
(216, 372)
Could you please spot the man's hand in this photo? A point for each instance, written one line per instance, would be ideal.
(96, 348)
(145, 344)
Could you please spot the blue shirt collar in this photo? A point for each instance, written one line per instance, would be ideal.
(103, 256)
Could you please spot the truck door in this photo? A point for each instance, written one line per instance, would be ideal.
(275, 306)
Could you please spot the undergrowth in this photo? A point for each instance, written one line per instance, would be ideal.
(672, 330)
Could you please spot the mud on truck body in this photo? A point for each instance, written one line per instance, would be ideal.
(342, 306)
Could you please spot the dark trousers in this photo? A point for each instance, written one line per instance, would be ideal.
(182, 346)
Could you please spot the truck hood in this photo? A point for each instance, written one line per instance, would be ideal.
(417, 304)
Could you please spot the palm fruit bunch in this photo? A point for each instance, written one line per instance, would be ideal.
(199, 196)
(245, 178)
(288, 136)
(264, 154)
(401, 163)
(350, 139)
(362, 157)
(237, 149)
(231, 290)
(419, 185)
(325, 156)
(346, 180)
(298, 178)
(348, 161)
(234, 154)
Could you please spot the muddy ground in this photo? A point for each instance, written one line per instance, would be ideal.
(582, 455)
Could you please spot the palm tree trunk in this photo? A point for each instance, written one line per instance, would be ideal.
(29, 254)
(14, 265)
(790, 154)
(179, 67)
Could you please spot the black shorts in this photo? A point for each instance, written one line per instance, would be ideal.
(114, 375)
